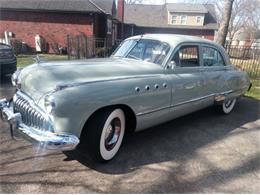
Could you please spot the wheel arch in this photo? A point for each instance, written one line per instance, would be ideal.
(130, 116)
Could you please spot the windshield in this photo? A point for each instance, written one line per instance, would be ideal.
(143, 49)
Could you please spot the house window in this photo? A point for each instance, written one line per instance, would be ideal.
(174, 19)
(198, 20)
(183, 19)
(109, 26)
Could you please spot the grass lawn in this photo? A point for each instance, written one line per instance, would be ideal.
(25, 60)
(255, 90)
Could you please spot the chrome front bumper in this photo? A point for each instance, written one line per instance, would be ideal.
(46, 139)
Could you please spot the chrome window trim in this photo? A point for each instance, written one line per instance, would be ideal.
(176, 49)
(220, 53)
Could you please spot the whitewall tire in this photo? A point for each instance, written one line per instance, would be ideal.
(103, 134)
(112, 134)
(227, 106)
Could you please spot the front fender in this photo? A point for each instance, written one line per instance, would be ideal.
(76, 104)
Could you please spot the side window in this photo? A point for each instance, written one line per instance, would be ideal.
(212, 57)
(187, 56)
(150, 51)
(155, 52)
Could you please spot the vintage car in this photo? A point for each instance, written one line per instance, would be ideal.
(148, 80)
(7, 60)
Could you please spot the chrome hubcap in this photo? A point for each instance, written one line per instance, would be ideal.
(228, 103)
(112, 134)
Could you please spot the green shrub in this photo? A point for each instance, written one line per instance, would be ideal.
(17, 46)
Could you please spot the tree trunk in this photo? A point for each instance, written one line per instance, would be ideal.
(223, 29)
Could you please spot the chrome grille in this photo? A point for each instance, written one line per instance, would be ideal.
(31, 116)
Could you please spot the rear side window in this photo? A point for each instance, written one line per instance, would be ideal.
(212, 57)
(187, 56)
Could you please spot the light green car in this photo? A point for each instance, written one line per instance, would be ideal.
(150, 79)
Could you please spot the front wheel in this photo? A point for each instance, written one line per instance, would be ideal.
(227, 106)
(104, 134)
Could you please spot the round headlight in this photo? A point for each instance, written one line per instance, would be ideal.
(49, 103)
(15, 77)
(15, 98)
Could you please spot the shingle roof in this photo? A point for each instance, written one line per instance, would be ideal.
(186, 8)
(145, 15)
(104, 6)
(157, 16)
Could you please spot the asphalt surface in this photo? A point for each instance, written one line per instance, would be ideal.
(200, 153)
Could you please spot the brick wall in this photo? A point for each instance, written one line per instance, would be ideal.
(53, 27)
(120, 10)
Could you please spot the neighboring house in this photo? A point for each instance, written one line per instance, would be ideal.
(245, 38)
(52, 21)
(179, 18)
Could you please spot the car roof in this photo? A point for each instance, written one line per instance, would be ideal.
(4, 46)
(175, 39)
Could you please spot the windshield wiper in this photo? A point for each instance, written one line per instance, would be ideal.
(133, 57)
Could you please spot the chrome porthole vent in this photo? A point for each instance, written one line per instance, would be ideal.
(137, 89)
(147, 87)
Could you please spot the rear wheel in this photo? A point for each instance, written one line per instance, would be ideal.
(227, 106)
(104, 134)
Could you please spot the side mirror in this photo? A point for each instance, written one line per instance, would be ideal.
(171, 65)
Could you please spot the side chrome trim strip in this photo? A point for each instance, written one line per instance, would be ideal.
(154, 110)
(64, 86)
(185, 102)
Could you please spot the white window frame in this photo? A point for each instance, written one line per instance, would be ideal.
(198, 18)
(185, 20)
(109, 26)
(175, 19)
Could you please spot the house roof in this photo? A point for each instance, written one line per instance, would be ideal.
(101, 6)
(186, 8)
(156, 16)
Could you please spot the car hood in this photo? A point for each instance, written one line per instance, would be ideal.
(40, 79)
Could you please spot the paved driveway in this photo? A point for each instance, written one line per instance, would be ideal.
(199, 153)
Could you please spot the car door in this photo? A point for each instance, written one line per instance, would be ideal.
(213, 68)
(188, 83)
(153, 94)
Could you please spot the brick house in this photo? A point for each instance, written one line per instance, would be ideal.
(54, 20)
(173, 18)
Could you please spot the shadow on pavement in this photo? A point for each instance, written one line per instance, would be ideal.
(164, 150)
(176, 140)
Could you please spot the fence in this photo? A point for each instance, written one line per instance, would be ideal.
(82, 46)
(246, 58)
